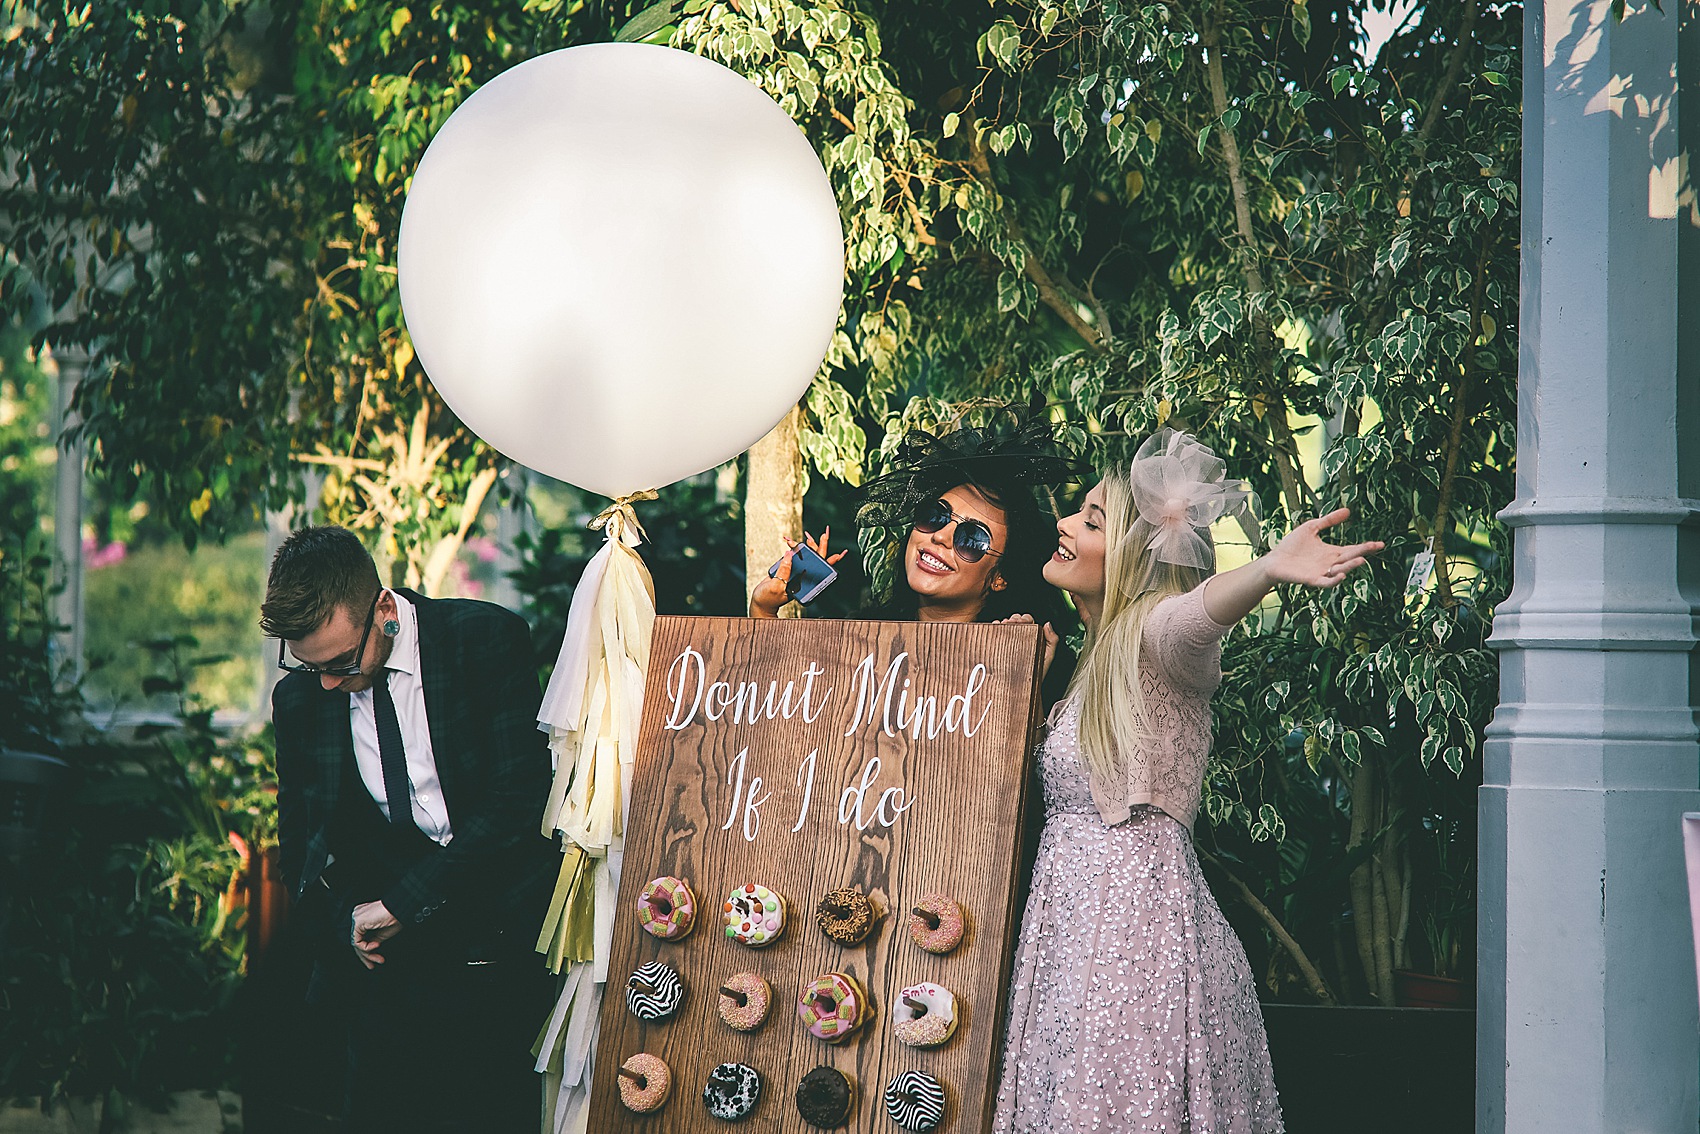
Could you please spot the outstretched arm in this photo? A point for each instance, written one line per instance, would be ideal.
(1302, 557)
(774, 591)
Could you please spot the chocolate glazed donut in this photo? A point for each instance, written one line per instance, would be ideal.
(825, 1098)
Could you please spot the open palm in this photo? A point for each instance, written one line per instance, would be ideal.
(1305, 557)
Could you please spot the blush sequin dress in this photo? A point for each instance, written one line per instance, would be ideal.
(1132, 1007)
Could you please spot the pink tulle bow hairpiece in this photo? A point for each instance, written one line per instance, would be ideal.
(1179, 488)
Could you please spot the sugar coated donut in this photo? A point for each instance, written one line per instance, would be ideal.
(825, 1098)
(645, 1083)
(667, 909)
(732, 1092)
(744, 1001)
(924, 1015)
(935, 924)
(832, 1007)
(755, 915)
(915, 1101)
(654, 991)
(846, 915)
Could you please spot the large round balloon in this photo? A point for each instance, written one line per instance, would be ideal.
(620, 264)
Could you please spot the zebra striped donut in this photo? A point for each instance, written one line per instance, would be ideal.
(915, 1101)
(662, 998)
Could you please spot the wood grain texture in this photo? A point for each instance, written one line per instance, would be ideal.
(953, 805)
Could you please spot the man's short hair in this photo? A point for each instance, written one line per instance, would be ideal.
(314, 572)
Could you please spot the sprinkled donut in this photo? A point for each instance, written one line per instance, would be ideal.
(915, 1101)
(667, 909)
(755, 915)
(654, 991)
(924, 1015)
(935, 924)
(644, 1083)
(732, 1092)
(846, 915)
(832, 1007)
(825, 1097)
(744, 1001)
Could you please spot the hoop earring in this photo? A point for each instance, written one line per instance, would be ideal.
(392, 627)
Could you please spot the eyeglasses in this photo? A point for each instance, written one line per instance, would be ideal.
(972, 538)
(349, 669)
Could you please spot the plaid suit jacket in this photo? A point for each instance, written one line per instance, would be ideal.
(481, 702)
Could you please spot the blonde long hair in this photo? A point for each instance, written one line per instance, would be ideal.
(1113, 720)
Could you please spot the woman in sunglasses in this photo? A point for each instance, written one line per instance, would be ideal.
(961, 531)
(1132, 1007)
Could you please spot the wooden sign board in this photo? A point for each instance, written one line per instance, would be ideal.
(805, 756)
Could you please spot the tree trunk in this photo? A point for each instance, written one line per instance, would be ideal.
(773, 502)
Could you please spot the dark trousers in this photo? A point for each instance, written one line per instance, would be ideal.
(440, 1037)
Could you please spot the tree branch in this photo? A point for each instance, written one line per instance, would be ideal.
(1318, 987)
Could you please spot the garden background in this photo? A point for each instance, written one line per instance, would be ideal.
(1288, 227)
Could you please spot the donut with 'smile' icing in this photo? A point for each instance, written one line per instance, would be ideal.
(755, 915)
(744, 1001)
(654, 991)
(825, 1098)
(732, 1092)
(924, 1015)
(915, 1101)
(667, 909)
(846, 915)
(936, 923)
(644, 1082)
(832, 1007)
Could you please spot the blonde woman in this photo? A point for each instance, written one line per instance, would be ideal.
(1132, 1007)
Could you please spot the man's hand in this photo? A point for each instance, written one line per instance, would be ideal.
(373, 925)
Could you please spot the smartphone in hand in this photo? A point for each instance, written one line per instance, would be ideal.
(810, 574)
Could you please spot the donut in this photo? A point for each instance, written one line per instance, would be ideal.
(935, 924)
(825, 1097)
(915, 1101)
(744, 1001)
(846, 915)
(832, 1007)
(644, 1083)
(755, 915)
(667, 909)
(732, 1092)
(654, 991)
(924, 1015)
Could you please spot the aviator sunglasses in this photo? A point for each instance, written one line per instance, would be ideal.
(972, 539)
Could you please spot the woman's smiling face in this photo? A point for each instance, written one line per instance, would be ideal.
(948, 587)
(1077, 565)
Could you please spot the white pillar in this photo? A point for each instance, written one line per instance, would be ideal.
(1587, 1003)
(69, 366)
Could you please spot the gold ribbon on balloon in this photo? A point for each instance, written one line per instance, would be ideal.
(620, 517)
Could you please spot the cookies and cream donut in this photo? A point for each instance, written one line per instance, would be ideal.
(744, 1001)
(654, 991)
(832, 1006)
(667, 909)
(924, 1015)
(644, 1082)
(825, 1098)
(732, 1092)
(755, 915)
(915, 1101)
(936, 923)
(846, 915)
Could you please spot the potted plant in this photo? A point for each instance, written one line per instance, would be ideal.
(1447, 916)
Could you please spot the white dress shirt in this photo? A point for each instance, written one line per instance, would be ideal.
(407, 690)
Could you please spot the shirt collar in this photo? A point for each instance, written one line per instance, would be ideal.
(404, 652)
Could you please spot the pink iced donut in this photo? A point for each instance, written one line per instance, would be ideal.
(667, 909)
(755, 915)
(644, 1083)
(935, 924)
(832, 1007)
(744, 1001)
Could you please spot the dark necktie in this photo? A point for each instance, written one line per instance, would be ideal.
(392, 754)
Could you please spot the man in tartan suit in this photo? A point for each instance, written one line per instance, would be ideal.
(411, 780)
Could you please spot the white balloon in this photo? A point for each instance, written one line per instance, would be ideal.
(620, 264)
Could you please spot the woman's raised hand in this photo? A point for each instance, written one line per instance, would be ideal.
(774, 591)
(1305, 557)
